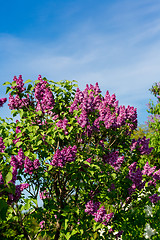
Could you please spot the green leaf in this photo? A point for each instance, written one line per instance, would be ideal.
(14, 83)
(27, 81)
(8, 177)
(8, 89)
(19, 144)
(73, 232)
(6, 83)
(66, 224)
(68, 235)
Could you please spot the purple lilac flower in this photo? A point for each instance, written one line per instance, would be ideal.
(60, 158)
(36, 163)
(31, 166)
(142, 144)
(17, 102)
(99, 215)
(44, 96)
(28, 165)
(114, 160)
(19, 84)
(154, 198)
(2, 146)
(156, 175)
(135, 175)
(107, 111)
(15, 197)
(1, 179)
(44, 194)
(63, 125)
(147, 170)
(42, 224)
(18, 161)
(14, 175)
(102, 216)
(2, 101)
(152, 183)
(91, 207)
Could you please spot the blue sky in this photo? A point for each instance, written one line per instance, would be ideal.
(115, 43)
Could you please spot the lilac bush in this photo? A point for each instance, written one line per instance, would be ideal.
(73, 149)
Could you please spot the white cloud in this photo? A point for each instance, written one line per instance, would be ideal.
(122, 62)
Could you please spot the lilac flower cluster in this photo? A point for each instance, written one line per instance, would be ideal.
(154, 198)
(92, 207)
(2, 101)
(44, 194)
(60, 158)
(19, 84)
(114, 160)
(147, 170)
(44, 96)
(18, 130)
(17, 102)
(152, 118)
(63, 125)
(2, 146)
(17, 162)
(31, 166)
(105, 109)
(100, 215)
(142, 144)
(1, 179)
(135, 175)
(15, 197)
(41, 224)
(150, 171)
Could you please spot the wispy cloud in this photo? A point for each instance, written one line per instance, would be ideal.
(124, 60)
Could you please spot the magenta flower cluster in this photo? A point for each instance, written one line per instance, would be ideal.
(154, 198)
(30, 166)
(15, 197)
(92, 207)
(18, 130)
(44, 96)
(2, 146)
(19, 84)
(99, 214)
(18, 102)
(135, 175)
(114, 160)
(41, 224)
(142, 144)
(1, 179)
(2, 101)
(20, 162)
(44, 194)
(17, 163)
(63, 125)
(147, 170)
(105, 109)
(60, 158)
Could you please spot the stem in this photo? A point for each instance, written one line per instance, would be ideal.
(58, 231)
(21, 223)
